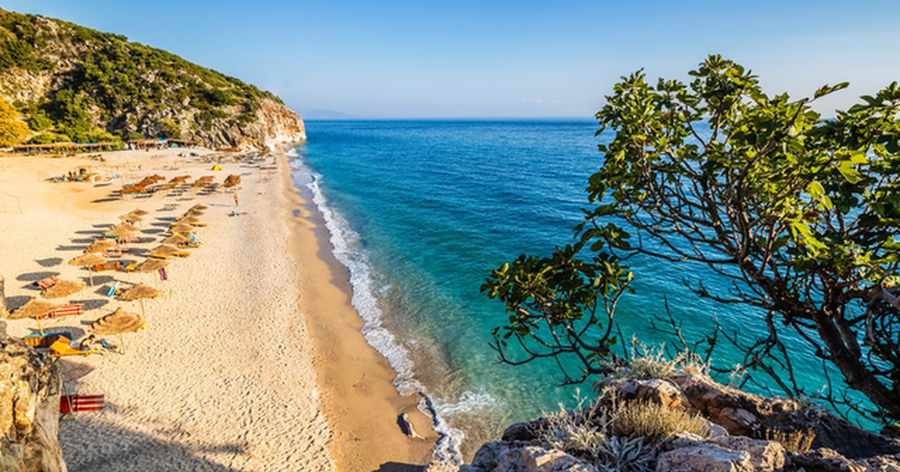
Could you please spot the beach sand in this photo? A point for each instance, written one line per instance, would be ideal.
(252, 358)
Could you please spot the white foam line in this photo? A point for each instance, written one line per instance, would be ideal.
(345, 247)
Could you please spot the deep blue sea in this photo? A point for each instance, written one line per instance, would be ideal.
(422, 211)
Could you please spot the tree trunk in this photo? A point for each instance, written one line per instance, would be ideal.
(855, 373)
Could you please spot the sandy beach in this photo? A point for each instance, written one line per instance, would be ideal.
(252, 357)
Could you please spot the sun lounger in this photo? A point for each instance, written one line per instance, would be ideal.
(46, 283)
(129, 239)
(131, 267)
(61, 347)
(73, 403)
(112, 253)
(107, 266)
(74, 309)
(43, 342)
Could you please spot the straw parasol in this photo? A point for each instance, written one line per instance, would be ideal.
(182, 228)
(36, 309)
(120, 232)
(138, 212)
(130, 217)
(191, 220)
(165, 249)
(118, 322)
(176, 239)
(88, 260)
(194, 212)
(99, 245)
(126, 226)
(63, 289)
(151, 265)
(140, 292)
(199, 206)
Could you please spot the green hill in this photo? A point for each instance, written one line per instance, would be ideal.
(74, 83)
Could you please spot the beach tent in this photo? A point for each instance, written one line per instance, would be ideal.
(217, 167)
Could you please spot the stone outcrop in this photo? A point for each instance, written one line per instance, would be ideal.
(737, 421)
(29, 410)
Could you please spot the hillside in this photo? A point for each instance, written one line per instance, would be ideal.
(74, 83)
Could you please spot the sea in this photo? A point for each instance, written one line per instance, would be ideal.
(422, 211)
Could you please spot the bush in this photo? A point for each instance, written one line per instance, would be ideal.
(647, 362)
(49, 138)
(797, 441)
(654, 422)
(39, 121)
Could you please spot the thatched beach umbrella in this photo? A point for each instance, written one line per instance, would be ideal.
(130, 218)
(118, 322)
(87, 261)
(165, 250)
(99, 245)
(138, 212)
(120, 232)
(176, 239)
(199, 206)
(36, 309)
(191, 220)
(63, 289)
(126, 226)
(139, 292)
(194, 212)
(151, 265)
(182, 228)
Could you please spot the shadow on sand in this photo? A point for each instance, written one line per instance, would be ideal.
(130, 450)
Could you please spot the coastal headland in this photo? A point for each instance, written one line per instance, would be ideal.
(252, 357)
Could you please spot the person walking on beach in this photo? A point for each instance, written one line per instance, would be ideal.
(235, 200)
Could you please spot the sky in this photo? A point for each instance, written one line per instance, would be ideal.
(498, 58)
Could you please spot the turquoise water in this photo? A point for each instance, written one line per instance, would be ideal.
(422, 211)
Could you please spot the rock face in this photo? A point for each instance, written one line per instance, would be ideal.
(736, 419)
(29, 410)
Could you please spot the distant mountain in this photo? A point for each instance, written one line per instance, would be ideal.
(75, 83)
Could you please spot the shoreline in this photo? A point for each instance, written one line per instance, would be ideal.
(360, 400)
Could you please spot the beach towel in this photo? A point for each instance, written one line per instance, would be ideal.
(112, 290)
(162, 274)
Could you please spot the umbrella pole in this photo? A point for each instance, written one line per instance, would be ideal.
(40, 328)
(142, 308)
(90, 277)
(122, 339)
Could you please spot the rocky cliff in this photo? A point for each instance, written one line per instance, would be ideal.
(29, 409)
(630, 429)
(74, 83)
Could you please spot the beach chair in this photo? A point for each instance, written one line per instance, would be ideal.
(112, 253)
(74, 309)
(62, 347)
(131, 267)
(73, 403)
(107, 266)
(44, 284)
(112, 290)
(42, 342)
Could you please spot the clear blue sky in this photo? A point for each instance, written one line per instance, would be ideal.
(489, 58)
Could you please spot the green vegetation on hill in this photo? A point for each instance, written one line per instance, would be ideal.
(102, 87)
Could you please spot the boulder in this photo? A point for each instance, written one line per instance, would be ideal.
(538, 459)
(29, 410)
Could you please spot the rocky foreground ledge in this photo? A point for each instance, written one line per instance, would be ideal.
(29, 408)
(733, 426)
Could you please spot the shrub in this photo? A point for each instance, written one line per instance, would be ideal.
(649, 362)
(796, 441)
(49, 138)
(39, 121)
(654, 422)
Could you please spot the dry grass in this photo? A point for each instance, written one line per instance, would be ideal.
(654, 422)
(797, 441)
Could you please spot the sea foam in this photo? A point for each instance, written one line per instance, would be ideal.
(347, 250)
